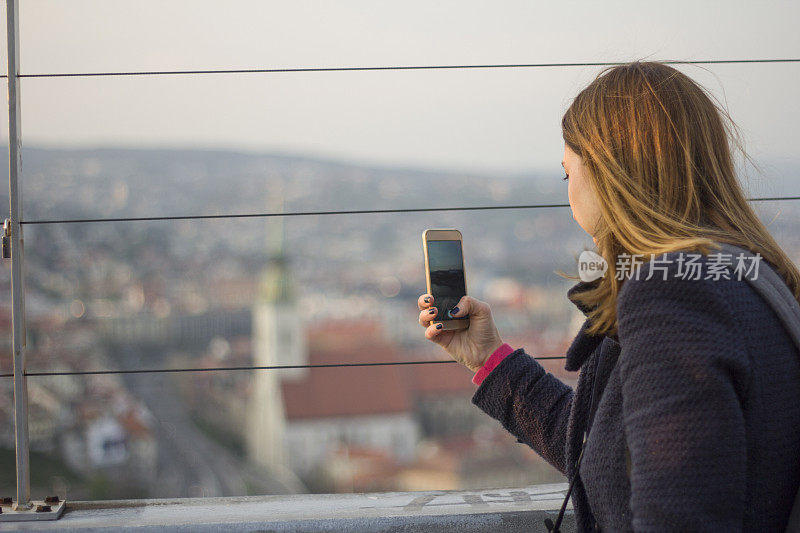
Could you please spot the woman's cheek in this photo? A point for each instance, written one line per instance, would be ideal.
(571, 199)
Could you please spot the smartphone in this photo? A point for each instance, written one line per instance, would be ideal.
(444, 274)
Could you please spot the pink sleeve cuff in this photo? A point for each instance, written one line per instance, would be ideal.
(491, 363)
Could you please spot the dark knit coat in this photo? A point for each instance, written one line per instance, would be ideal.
(701, 401)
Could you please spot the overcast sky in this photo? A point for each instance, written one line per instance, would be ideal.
(495, 120)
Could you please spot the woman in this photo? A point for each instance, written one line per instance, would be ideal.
(699, 403)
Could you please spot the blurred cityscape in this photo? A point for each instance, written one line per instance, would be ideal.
(294, 290)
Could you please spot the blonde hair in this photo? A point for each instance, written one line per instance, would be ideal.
(658, 157)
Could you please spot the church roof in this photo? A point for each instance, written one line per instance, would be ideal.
(348, 391)
(370, 390)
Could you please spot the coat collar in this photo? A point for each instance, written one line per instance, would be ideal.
(579, 287)
(584, 344)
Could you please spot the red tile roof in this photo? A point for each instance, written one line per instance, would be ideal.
(347, 391)
(441, 378)
(351, 391)
(133, 424)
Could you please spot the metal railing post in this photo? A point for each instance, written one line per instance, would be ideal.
(17, 284)
(23, 508)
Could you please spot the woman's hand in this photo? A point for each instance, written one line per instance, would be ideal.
(472, 346)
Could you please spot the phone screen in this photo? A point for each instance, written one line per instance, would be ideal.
(447, 276)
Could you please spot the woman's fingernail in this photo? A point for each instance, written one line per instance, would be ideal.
(454, 311)
(427, 300)
(438, 326)
(432, 311)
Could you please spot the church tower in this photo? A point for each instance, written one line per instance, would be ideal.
(278, 339)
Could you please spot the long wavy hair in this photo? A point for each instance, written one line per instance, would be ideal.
(658, 154)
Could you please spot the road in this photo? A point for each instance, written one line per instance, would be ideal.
(190, 464)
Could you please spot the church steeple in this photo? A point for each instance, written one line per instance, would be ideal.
(276, 283)
(279, 338)
(275, 286)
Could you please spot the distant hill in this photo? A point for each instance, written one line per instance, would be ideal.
(115, 182)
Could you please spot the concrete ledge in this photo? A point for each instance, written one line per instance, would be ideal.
(506, 510)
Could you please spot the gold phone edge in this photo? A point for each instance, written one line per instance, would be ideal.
(447, 325)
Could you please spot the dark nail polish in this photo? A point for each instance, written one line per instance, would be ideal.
(438, 326)
(432, 311)
(454, 311)
(427, 300)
